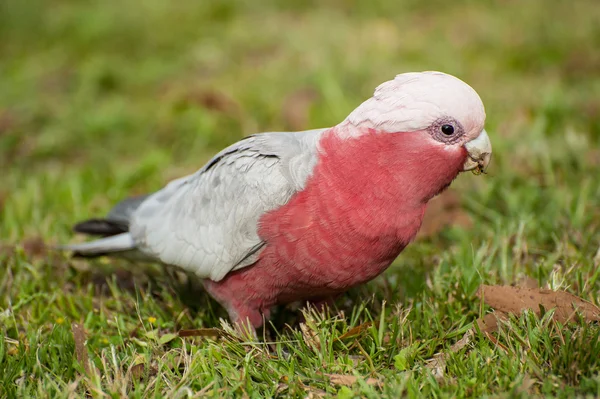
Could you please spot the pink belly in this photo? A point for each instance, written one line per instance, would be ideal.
(312, 253)
(277, 280)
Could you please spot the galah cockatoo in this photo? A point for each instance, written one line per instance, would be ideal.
(283, 217)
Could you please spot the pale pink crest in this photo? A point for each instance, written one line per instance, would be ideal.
(413, 101)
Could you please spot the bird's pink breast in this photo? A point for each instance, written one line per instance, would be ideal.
(362, 205)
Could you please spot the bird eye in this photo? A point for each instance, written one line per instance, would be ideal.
(448, 130)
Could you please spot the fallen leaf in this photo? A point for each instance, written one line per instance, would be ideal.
(354, 331)
(526, 384)
(437, 364)
(204, 391)
(81, 353)
(442, 211)
(281, 388)
(310, 337)
(349, 380)
(489, 322)
(508, 299)
(314, 393)
(137, 371)
(495, 341)
(513, 300)
(14, 344)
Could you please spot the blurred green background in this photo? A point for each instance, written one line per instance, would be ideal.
(104, 99)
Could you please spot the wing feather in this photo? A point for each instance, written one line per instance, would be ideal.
(207, 223)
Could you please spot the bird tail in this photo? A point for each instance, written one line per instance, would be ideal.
(109, 245)
(115, 232)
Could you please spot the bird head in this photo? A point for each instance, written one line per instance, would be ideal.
(445, 113)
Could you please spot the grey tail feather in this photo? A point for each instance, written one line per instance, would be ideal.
(116, 222)
(101, 227)
(123, 210)
(104, 246)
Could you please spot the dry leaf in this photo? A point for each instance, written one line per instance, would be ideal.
(354, 331)
(349, 380)
(314, 393)
(526, 385)
(281, 388)
(497, 343)
(508, 299)
(81, 353)
(489, 323)
(204, 391)
(437, 364)
(310, 337)
(137, 371)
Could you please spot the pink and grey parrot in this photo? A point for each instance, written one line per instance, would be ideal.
(283, 217)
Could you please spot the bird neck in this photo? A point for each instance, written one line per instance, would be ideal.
(396, 171)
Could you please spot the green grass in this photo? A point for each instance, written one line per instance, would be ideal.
(101, 100)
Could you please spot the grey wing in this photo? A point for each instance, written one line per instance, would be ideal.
(207, 223)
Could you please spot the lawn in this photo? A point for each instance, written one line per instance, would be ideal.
(103, 100)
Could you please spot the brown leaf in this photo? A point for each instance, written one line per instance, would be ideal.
(437, 364)
(489, 323)
(442, 211)
(81, 353)
(354, 331)
(314, 393)
(202, 332)
(281, 388)
(137, 371)
(496, 342)
(311, 338)
(296, 108)
(349, 380)
(514, 300)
